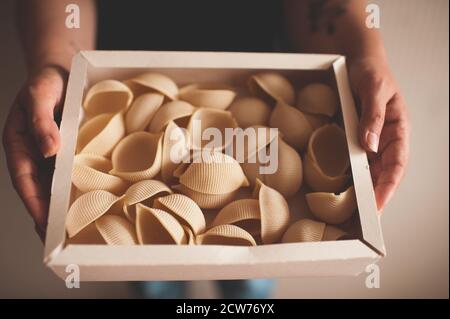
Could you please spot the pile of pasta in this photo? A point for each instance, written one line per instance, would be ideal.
(130, 190)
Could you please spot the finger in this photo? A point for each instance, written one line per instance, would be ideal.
(21, 160)
(40, 100)
(373, 97)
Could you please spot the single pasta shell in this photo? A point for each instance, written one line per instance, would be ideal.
(328, 148)
(89, 235)
(171, 111)
(288, 177)
(100, 134)
(207, 201)
(184, 209)
(308, 230)
(90, 172)
(142, 111)
(249, 111)
(333, 233)
(175, 149)
(318, 181)
(237, 211)
(316, 120)
(249, 141)
(213, 119)
(189, 234)
(143, 192)
(152, 81)
(273, 85)
(333, 208)
(226, 235)
(216, 173)
(318, 98)
(87, 208)
(108, 96)
(137, 157)
(155, 226)
(116, 230)
(207, 95)
(274, 213)
(293, 124)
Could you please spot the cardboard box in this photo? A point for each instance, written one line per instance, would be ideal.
(171, 262)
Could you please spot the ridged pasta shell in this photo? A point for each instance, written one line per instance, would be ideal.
(152, 81)
(100, 134)
(89, 235)
(250, 111)
(90, 172)
(274, 213)
(155, 226)
(208, 118)
(226, 235)
(293, 124)
(316, 120)
(318, 98)
(116, 230)
(237, 211)
(87, 208)
(142, 111)
(207, 201)
(273, 85)
(189, 234)
(318, 181)
(175, 148)
(171, 111)
(108, 96)
(308, 230)
(332, 208)
(207, 95)
(137, 157)
(215, 173)
(143, 192)
(184, 209)
(288, 178)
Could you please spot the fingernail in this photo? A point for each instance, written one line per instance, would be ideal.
(372, 141)
(47, 146)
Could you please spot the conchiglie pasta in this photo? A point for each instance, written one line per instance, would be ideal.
(207, 95)
(153, 82)
(318, 98)
(250, 111)
(108, 96)
(308, 230)
(272, 86)
(226, 235)
(171, 111)
(142, 111)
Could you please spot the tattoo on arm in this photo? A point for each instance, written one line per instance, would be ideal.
(322, 15)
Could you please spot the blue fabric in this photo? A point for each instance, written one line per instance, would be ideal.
(230, 289)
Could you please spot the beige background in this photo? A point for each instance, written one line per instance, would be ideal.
(415, 224)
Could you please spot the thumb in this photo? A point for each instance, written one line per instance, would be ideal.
(373, 107)
(43, 93)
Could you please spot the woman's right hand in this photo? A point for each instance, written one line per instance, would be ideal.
(31, 138)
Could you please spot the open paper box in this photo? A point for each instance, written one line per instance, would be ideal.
(171, 262)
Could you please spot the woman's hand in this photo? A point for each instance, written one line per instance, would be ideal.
(384, 126)
(31, 138)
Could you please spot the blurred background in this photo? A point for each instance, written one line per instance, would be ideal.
(415, 224)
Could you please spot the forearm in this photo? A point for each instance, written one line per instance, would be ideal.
(332, 26)
(44, 35)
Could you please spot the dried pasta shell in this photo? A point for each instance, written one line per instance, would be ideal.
(249, 141)
(333, 208)
(137, 157)
(226, 235)
(175, 148)
(189, 234)
(238, 211)
(206, 118)
(272, 85)
(249, 111)
(90, 172)
(100, 134)
(89, 235)
(184, 209)
(308, 230)
(318, 181)
(108, 96)
(155, 226)
(207, 95)
(293, 124)
(288, 177)
(318, 98)
(316, 120)
(171, 111)
(207, 201)
(87, 208)
(116, 230)
(142, 111)
(274, 213)
(152, 81)
(215, 173)
(143, 192)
